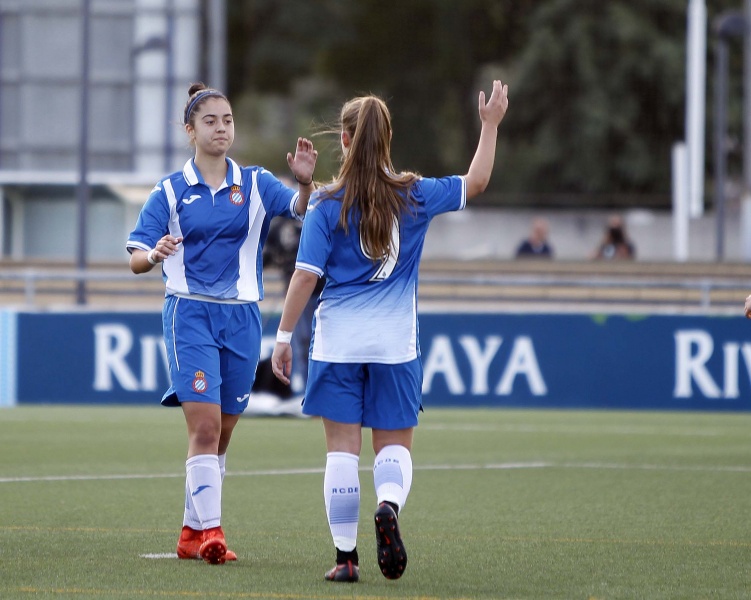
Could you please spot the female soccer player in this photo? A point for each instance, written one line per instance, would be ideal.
(205, 226)
(364, 232)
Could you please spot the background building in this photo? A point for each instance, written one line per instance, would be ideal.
(128, 65)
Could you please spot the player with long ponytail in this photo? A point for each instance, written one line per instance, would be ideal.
(365, 232)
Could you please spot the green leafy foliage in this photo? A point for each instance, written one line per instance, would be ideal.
(597, 89)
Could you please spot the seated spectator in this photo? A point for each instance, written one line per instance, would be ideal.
(536, 245)
(615, 244)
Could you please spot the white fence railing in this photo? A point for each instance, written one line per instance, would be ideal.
(38, 288)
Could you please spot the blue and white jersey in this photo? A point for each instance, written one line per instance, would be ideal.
(223, 230)
(368, 310)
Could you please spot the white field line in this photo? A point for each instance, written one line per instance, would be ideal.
(583, 430)
(466, 467)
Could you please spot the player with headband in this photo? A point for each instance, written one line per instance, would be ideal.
(205, 227)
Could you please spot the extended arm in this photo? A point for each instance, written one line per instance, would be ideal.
(491, 115)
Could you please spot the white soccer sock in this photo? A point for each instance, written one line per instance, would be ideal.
(205, 488)
(190, 516)
(222, 465)
(392, 475)
(341, 493)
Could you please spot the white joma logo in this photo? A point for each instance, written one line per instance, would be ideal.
(192, 199)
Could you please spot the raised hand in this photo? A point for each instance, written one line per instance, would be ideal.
(303, 163)
(493, 112)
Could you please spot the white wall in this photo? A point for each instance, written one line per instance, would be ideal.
(481, 233)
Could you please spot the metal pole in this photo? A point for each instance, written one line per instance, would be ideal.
(217, 44)
(170, 84)
(681, 207)
(720, 157)
(728, 24)
(83, 150)
(746, 198)
(747, 101)
(696, 61)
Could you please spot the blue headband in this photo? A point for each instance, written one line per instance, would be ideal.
(200, 96)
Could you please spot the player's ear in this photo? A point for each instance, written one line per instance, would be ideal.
(191, 131)
(346, 140)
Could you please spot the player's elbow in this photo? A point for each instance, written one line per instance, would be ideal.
(135, 264)
(476, 185)
(306, 279)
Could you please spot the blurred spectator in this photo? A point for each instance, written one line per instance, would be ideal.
(615, 244)
(536, 245)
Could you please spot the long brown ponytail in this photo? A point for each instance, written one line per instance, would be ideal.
(372, 189)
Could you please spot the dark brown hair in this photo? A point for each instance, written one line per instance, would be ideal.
(197, 95)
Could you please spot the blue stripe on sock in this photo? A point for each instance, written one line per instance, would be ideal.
(388, 472)
(344, 508)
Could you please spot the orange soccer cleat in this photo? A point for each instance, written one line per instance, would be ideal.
(189, 545)
(213, 547)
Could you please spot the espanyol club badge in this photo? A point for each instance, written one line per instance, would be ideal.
(199, 383)
(236, 195)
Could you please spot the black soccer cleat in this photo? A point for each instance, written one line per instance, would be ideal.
(347, 572)
(392, 556)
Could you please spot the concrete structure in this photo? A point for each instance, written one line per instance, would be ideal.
(142, 55)
(132, 71)
(479, 233)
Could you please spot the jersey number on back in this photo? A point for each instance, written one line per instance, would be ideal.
(389, 263)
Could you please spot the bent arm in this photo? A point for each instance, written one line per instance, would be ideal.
(304, 192)
(142, 261)
(139, 263)
(491, 115)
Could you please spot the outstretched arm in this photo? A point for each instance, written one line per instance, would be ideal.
(303, 164)
(491, 115)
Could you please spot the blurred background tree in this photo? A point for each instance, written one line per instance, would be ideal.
(597, 89)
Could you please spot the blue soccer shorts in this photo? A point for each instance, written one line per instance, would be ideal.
(375, 395)
(212, 352)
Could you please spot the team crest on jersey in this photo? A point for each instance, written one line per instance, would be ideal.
(236, 195)
(199, 383)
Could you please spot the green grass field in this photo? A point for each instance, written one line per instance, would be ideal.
(504, 504)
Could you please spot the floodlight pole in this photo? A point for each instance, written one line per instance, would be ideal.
(746, 197)
(720, 127)
(747, 96)
(83, 154)
(217, 21)
(696, 66)
(727, 25)
(169, 84)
